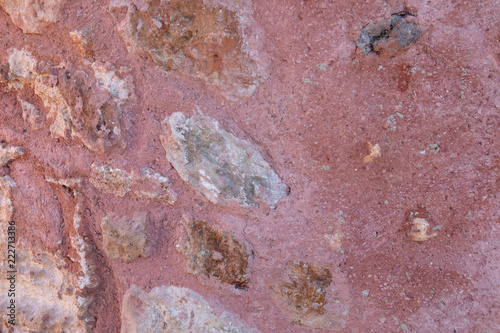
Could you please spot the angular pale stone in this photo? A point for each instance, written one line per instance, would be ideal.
(31, 115)
(215, 41)
(110, 180)
(8, 154)
(148, 185)
(171, 309)
(225, 169)
(120, 90)
(419, 230)
(22, 68)
(125, 238)
(214, 252)
(78, 105)
(46, 296)
(87, 276)
(32, 16)
(59, 110)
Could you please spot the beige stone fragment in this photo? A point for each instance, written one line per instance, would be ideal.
(48, 297)
(374, 152)
(125, 238)
(10, 153)
(169, 309)
(222, 167)
(32, 115)
(32, 16)
(147, 185)
(217, 41)
(420, 229)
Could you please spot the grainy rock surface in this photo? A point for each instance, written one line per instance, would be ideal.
(304, 166)
(225, 169)
(125, 238)
(171, 310)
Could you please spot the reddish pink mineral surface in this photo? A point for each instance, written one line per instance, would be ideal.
(250, 166)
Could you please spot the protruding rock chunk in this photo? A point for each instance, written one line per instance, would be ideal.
(172, 309)
(214, 253)
(148, 185)
(125, 238)
(8, 154)
(225, 169)
(32, 16)
(207, 40)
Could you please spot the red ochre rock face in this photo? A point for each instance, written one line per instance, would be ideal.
(250, 166)
(209, 40)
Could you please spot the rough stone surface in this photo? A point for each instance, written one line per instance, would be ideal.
(48, 296)
(370, 128)
(148, 184)
(9, 153)
(214, 253)
(173, 310)
(125, 238)
(211, 40)
(33, 16)
(389, 37)
(90, 110)
(225, 169)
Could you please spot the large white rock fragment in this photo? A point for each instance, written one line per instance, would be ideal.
(225, 169)
(172, 309)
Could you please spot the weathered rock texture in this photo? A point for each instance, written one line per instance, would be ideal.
(389, 37)
(211, 40)
(9, 153)
(33, 16)
(225, 169)
(173, 310)
(147, 185)
(215, 253)
(345, 175)
(83, 103)
(48, 296)
(125, 238)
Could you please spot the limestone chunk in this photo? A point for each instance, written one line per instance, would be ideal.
(225, 169)
(32, 115)
(125, 238)
(85, 103)
(214, 252)
(32, 16)
(147, 185)
(420, 229)
(197, 38)
(8, 154)
(170, 309)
